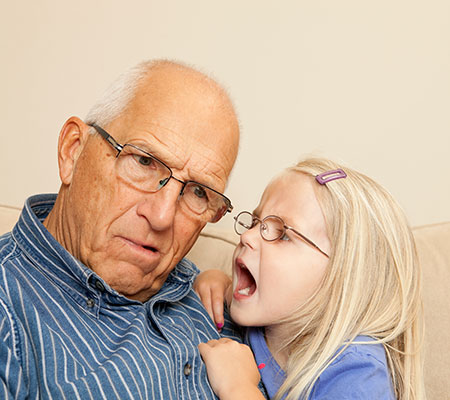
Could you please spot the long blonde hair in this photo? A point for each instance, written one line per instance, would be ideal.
(371, 287)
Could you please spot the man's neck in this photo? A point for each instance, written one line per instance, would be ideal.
(54, 222)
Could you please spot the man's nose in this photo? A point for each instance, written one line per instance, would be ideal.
(159, 208)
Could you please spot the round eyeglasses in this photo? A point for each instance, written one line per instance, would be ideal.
(271, 228)
(145, 172)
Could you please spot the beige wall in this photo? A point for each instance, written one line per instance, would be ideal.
(364, 82)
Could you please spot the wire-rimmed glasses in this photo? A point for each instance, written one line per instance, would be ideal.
(271, 228)
(147, 173)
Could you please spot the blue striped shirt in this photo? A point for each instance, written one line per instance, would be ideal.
(64, 333)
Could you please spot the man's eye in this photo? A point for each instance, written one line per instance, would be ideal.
(200, 192)
(143, 160)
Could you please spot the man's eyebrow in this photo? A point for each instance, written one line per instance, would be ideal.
(143, 145)
(149, 148)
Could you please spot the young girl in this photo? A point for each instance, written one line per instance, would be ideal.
(326, 278)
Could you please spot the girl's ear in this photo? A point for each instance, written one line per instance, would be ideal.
(72, 138)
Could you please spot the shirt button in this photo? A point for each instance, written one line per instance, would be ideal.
(187, 369)
(99, 286)
(90, 303)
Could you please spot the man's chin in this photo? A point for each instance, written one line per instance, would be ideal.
(135, 281)
(135, 286)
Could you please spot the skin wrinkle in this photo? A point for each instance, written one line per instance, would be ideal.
(173, 133)
(104, 222)
(175, 161)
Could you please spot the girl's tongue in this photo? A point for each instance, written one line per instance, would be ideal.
(246, 284)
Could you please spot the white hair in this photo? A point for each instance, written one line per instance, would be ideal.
(121, 92)
(118, 95)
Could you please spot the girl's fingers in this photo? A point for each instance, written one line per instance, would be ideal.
(217, 308)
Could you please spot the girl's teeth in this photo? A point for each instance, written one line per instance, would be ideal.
(244, 291)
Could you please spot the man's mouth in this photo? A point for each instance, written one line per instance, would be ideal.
(149, 248)
(246, 284)
(140, 246)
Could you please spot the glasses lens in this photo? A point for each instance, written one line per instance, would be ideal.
(141, 169)
(272, 228)
(147, 173)
(243, 222)
(197, 198)
(203, 201)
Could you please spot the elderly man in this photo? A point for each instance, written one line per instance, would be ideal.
(96, 299)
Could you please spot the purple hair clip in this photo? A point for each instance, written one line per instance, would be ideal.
(329, 176)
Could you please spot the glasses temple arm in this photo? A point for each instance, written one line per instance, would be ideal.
(310, 242)
(108, 138)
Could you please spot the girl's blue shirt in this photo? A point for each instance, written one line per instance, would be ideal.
(359, 372)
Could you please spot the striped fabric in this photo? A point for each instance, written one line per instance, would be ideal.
(64, 333)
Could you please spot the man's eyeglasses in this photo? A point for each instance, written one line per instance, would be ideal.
(145, 172)
(271, 228)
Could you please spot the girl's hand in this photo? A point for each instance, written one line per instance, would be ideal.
(212, 286)
(232, 371)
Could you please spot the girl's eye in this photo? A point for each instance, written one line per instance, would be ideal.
(285, 237)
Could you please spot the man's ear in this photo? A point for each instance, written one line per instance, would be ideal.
(72, 138)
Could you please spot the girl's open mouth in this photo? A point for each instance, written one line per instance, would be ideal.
(246, 284)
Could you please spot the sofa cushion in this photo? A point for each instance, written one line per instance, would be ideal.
(433, 246)
(214, 249)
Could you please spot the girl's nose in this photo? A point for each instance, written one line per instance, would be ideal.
(250, 237)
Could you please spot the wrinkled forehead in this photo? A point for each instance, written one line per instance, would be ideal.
(185, 123)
